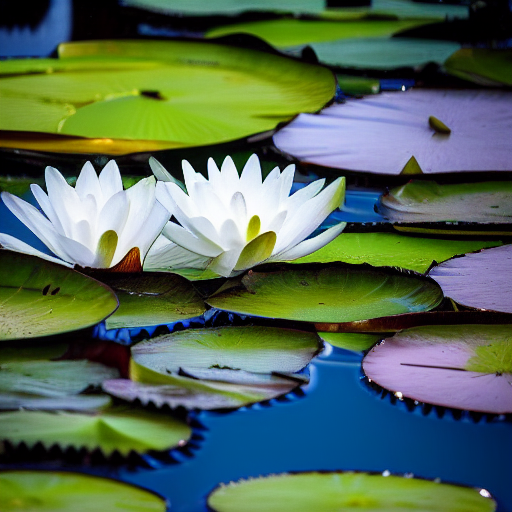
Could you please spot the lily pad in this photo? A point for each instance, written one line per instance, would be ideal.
(332, 490)
(355, 342)
(148, 386)
(480, 280)
(116, 430)
(39, 298)
(390, 249)
(155, 91)
(327, 293)
(153, 299)
(460, 366)
(358, 135)
(247, 348)
(428, 201)
(485, 66)
(45, 491)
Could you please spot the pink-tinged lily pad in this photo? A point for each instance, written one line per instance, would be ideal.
(480, 280)
(460, 366)
(445, 130)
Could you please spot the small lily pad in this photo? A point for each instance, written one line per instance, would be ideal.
(116, 430)
(391, 249)
(480, 280)
(152, 299)
(39, 298)
(356, 342)
(460, 366)
(327, 293)
(428, 201)
(330, 490)
(44, 491)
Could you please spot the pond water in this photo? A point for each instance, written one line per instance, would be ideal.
(337, 423)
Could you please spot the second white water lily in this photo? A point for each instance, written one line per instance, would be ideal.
(95, 224)
(230, 223)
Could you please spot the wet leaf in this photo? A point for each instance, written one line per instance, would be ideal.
(39, 298)
(355, 342)
(461, 366)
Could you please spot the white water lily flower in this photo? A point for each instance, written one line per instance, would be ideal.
(95, 224)
(230, 223)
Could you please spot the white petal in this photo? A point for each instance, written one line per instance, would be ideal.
(311, 245)
(191, 176)
(225, 262)
(238, 210)
(187, 240)
(88, 182)
(13, 244)
(286, 181)
(295, 201)
(276, 223)
(213, 171)
(113, 215)
(47, 207)
(228, 171)
(110, 180)
(170, 195)
(209, 204)
(230, 236)
(250, 179)
(165, 254)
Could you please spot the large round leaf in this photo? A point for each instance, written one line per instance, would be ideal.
(116, 430)
(480, 280)
(39, 298)
(461, 366)
(50, 491)
(164, 100)
(248, 348)
(331, 491)
(328, 293)
(427, 201)
(390, 249)
(152, 299)
(382, 133)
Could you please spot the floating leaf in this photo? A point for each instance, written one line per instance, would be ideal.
(355, 342)
(14, 401)
(328, 293)
(480, 280)
(152, 299)
(39, 298)
(116, 430)
(428, 201)
(358, 134)
(44, 491)
(461, 366)
(247, 348)
(485, 66)
(390, 249)
(332, 490)
(155, 91)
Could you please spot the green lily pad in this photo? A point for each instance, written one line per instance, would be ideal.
(381, 52)
(51, 491)
(390, 249)
(116, 430)
(247, 348)
(485, 66)
(461, 366)
(155, 92)
(288, 32)
(480, 280)
(428, 201)
(327, 293)
(358, 84)
(39, 298)
(331, 490)
(152, 299)
(356, 342)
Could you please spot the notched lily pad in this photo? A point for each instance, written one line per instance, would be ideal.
(465, 367)
(119, 430)
(428, 201)
(327, 293)
(41, 491)
(336, 490)
(152, 299)
(39, 298)
(480, 280)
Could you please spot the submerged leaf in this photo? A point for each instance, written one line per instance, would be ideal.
(44, 491)
(39, 298)
(334, 490)
(461, 366)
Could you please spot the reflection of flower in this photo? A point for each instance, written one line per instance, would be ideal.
(96, 224)
(231, 223)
